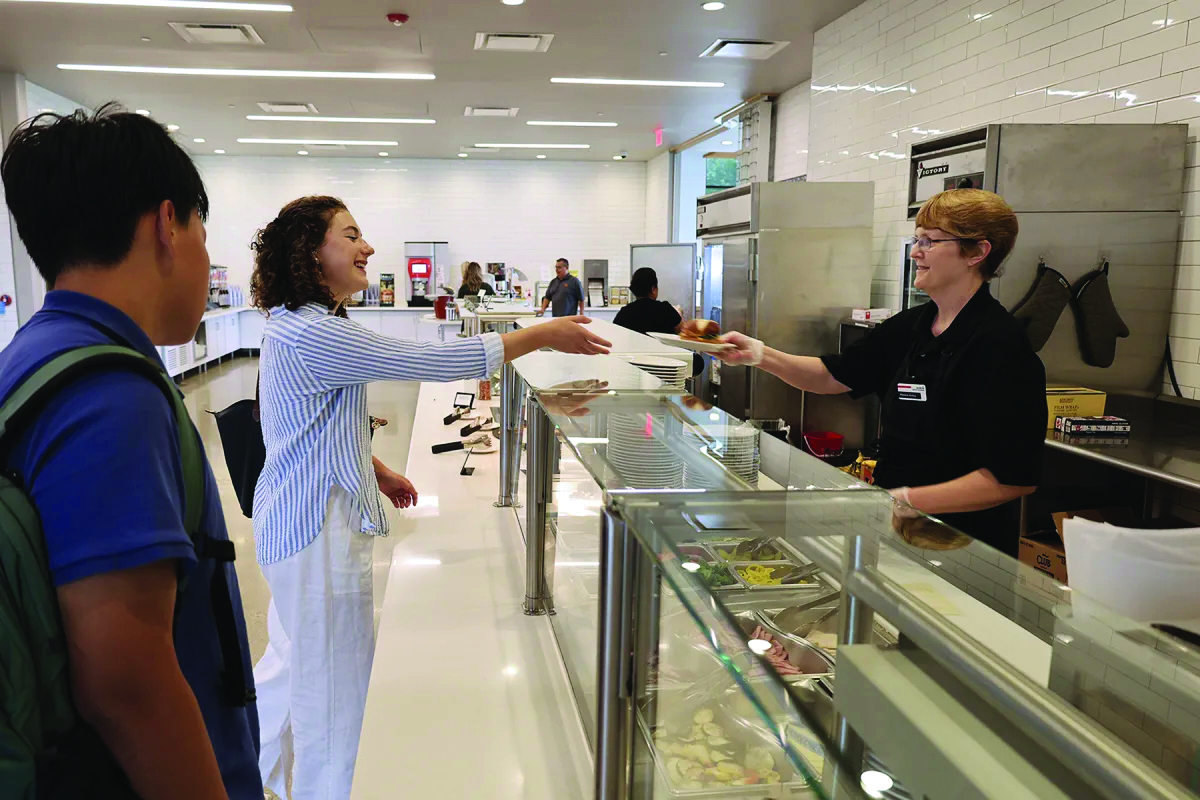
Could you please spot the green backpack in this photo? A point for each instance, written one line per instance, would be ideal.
(46, 749)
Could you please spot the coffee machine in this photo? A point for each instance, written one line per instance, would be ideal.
(595, 276)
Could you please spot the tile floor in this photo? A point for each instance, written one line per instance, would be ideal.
(234, 380)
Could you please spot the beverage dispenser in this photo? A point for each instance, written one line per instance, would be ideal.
(426, 272)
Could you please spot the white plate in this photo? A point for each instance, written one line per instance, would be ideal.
(658, 363)
(674, 340)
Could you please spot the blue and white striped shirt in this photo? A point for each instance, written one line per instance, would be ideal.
(313, 375)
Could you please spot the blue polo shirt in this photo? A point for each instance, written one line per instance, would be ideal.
(102, 464)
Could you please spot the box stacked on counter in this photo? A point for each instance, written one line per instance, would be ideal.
(1073, 401)
(1106, 426)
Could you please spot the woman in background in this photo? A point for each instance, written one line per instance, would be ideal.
(317, 504)
(473, 282)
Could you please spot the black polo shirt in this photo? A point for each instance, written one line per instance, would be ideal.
(972, 398)
(649, 316)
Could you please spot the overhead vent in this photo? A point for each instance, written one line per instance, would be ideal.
(514, 42)
(216, 33)
(489, 111)
(754, 49)
(288, 108)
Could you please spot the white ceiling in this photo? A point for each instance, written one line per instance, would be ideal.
(593, 38)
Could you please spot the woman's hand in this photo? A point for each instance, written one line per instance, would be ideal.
(396, 488)
(567, 335)
(746, 350)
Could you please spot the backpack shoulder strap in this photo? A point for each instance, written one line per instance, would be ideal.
(35, 391)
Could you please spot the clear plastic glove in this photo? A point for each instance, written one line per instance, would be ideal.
(901, 505)
(747, 350)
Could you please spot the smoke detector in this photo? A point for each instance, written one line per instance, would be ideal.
(514, 42)
(216, 33)
(753, 49)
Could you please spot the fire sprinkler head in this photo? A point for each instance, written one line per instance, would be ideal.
(397, 19)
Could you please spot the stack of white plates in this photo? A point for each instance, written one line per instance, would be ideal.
(734, 447)
(641, 459)
(671, 371)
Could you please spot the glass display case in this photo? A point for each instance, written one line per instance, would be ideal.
(739, 619)
(881, 657)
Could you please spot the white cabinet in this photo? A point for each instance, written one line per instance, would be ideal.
(250, 329)
(399, 324)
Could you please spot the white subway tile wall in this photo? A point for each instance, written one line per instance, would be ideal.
(791, 133)
(525, 214)
(892, 72)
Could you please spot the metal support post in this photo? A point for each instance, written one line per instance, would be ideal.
(857, 621)
(538, 485)
(510, 440)
(615, 662)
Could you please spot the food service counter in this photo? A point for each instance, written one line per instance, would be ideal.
(682, 595)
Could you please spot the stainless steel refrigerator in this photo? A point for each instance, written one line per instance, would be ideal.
(784, 263)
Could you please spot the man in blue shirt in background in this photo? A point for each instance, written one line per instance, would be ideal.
(112, 212)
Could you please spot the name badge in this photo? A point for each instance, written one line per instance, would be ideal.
(911, 391)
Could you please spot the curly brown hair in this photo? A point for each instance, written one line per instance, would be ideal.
(286, 270)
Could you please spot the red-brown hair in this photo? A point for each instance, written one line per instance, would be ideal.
(976, 215)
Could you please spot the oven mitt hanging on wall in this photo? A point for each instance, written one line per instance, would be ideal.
(1042, 305)
(1099, 323)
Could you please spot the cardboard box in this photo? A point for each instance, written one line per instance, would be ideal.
(1094, 426)
(1073, 401)
(1044, 551)
(871, 314)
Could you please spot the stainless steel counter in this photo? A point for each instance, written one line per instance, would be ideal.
(1164, 444)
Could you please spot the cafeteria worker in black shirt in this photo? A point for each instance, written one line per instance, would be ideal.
(648, 314)
(962, 394)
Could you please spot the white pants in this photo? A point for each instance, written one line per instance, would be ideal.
(312, 680)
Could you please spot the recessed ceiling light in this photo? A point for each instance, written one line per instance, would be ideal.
(383, 152)
(626, 82)
(219, 152)
(663, 53)
(514, 2)
(198, 141)
(249, 73)
(618, 158)
(143, 112)
(370, 120)
(172, 128)
(323, 142)
(463, 155)
(214, 5)
(713, 6)
(727, 143)
(541, 156)
(145, 38)
(301, 152)
(563, 124)
(536, 146)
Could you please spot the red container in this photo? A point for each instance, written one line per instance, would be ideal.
(439, 305)
(824, 443)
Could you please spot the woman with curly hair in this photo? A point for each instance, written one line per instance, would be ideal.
(317, 503)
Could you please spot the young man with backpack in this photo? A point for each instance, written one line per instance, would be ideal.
(123, 641)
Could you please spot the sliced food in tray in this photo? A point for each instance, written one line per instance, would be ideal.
(760, 575)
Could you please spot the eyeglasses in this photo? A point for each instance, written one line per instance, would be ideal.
(924, 242)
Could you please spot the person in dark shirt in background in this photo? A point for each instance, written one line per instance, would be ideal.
(648, 314)
(565, 291)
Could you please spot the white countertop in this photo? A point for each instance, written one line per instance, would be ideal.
(406, 309)
(224, 312)
(468, 696)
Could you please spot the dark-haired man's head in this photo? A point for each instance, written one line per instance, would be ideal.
(561, 266)
(644, 283)
(108, 204)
